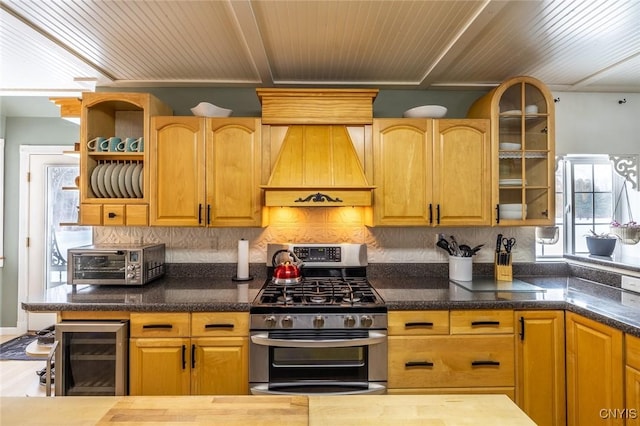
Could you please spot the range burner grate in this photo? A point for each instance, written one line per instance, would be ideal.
(319, 292)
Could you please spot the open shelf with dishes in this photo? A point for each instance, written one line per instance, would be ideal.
(113, 176)
(522, 115)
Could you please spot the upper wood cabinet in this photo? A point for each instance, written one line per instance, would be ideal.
(205, 172)
(114, 180)
(431, 172)
(522, 117)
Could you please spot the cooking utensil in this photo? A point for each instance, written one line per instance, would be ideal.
(287, 272)
(476, 249)
(465, 250)
(444, 244)
(454, 247)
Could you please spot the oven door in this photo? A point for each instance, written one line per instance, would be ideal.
(328, 362)
(98, 267)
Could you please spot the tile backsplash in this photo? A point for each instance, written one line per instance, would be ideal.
(318, 225)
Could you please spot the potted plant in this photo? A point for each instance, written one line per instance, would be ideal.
(601, 244)
(628, 233)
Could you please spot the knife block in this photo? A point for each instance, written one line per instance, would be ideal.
(503, 272)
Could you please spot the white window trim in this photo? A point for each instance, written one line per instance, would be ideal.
(23, 225)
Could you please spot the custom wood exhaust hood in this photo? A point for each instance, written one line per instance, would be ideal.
(317, 164)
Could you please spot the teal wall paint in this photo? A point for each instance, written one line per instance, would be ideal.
(22, 131)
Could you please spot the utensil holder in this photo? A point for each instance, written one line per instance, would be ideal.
(460, 268)
(503, 269)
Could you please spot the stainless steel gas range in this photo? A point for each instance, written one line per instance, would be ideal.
(324, 332)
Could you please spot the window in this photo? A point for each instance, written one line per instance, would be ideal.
(590, 185)
(587, 189)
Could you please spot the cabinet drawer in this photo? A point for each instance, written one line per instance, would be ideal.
(91, 214)
(159, 324)
(219, 324)
(482, 322)
(447, 362)
(113, 215)
(632, 344)
(418, 322)
(137, 215)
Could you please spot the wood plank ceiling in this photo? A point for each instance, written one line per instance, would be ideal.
(72, 45)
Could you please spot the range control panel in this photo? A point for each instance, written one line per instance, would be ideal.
(323, 255)
(318, 254)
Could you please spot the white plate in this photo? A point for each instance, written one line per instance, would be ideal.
(141, 181)
(510, 182)
(128, 178)
(107, 180)
(115, 180)
(135, 180)
(512, 112)
(121, 184)
(510, 146)
(100, 181)
(94, 181)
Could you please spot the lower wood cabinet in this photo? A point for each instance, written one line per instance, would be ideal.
(632, 380)
(595, 373)
(182, 354)
(456, 352)
(540, 366)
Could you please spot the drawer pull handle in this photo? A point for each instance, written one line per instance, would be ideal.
(418, 324)
(418, 364)
(218, 326)
(193, 356)
(184, 357)
(485, 363)
(169, 326)
(484, 323)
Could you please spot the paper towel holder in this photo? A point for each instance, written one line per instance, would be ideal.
(235, 278)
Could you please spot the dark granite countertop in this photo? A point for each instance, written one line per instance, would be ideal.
(609, 305)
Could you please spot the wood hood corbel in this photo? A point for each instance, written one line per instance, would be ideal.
(317, 165)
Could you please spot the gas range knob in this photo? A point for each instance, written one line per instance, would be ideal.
(287, 322)
(318, 322)
(270, 321)
(349, 321)
(366, 321)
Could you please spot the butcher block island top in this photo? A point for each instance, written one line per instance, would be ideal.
(405, 410)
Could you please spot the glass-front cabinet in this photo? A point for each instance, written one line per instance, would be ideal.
(521, 110)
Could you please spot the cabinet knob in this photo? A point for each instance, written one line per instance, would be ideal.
(111, 215)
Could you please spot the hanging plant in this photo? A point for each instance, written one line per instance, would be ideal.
(629, 232)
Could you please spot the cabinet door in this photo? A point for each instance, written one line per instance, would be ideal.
(233, 172)
(177, 171)
(402, 159)
(462, 172)
(159, 366)
(594, 372)
(632, 380)
(540, 348)
(220, 366)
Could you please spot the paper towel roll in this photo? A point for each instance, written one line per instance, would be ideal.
(243, 260)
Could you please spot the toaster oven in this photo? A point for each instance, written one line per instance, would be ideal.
(115, 264)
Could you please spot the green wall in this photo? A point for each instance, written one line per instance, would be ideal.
(22, 131)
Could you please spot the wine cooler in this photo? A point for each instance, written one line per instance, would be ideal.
(92, 358)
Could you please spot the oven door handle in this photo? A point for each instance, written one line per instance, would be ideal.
(373, 339)
(263, 389)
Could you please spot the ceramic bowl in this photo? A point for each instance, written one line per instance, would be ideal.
(510, 146)
(426, 111)
(205, 109)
